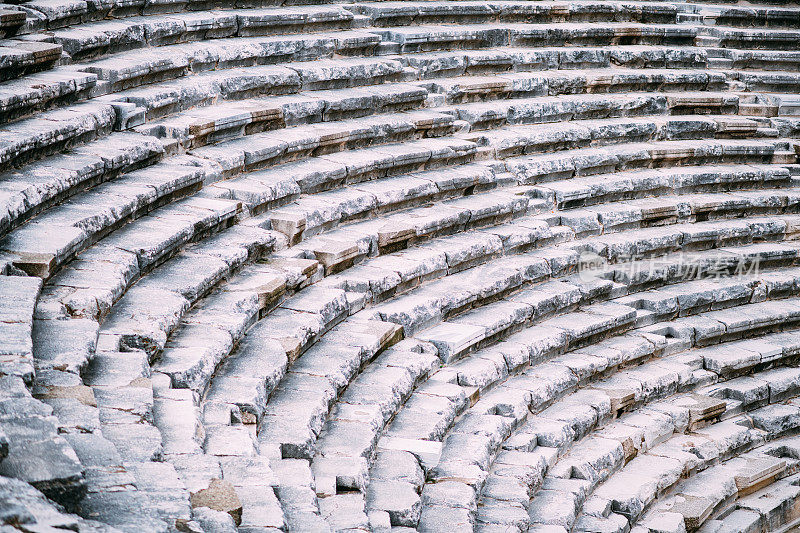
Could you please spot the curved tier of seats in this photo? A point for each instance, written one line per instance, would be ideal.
(392, 266)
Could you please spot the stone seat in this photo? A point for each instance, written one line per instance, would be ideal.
(588, 161)
(552, 82)
(752, 38)
(411, 13)
(695, 296)
(59, 233)
(53, 131)
(239, 83)
(773, 81)
(18, 58)
(207, 125)
(758, 16)
(601, 188)
(562, 108)
(18, 297)
(133, 323)
(761, 59)
(519, 140)
(39, 92)
(501, 394)
(41, 184)
(267, 149)
(138, 67)
(297, 409)
(430, 38)
(11, 20)
(616, 217)
(520, 59)
(95, 39)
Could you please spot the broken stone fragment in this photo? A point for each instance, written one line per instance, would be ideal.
(219, 496)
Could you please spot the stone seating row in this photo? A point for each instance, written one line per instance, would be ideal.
(748, 38)
(75, 304)
(428, 38)
(111, 37)
(701, 494)
(94, 39)
(558, 412)
(547, 137)
(39, 92)
(757, 59)
(54, 131)
(141, 67)
(469, 89)
(453, 63)
(18, 57)
(46, 15)
(485, 406)
(598, 189)
(412, 13)
(290, 449)
(32, 198)
(19, 294)
(28, 506)
(43, 183)
(595, 458)
(66, 244)
(737, 15)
